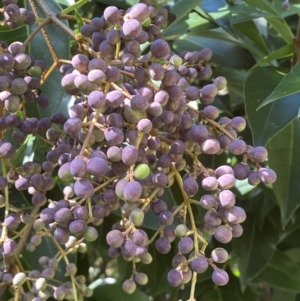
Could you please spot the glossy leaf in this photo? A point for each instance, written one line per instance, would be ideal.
(261, 204)
(269, 120)
(47, 248)
(263, 5)
(282, 28)
(219, 12)
(182, 8)
(52, 88)
(224, 53)
(192, 22)
(248, 31)
(284, 155)
(281, 272)
(253, 250)
(287, 86)
(285, 51)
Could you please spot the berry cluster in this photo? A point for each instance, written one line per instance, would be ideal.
(14, 16)
(130, 134)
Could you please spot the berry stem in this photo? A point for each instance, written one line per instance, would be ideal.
(64, 256)
(50, 14)
(36, 31)
(193, 286)
(89, 133)
(6, 194)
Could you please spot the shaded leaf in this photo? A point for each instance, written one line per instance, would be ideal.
(269, 120)
(221, 35)
(287, 86)
(112, 292)
(287, 278)
(282, 52)
(282, 294)
(182, 8)
(117, 3)
(282, 28)
(248, 31)
(263, 5)
(225, 53)
(287, 167)
(192, 22)
(294, 254)
(52, 88)
(235, 78)
(253, 250)
(219, 13)
(47, 248)
(260, 205)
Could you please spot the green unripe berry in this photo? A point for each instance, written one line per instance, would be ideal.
(147, 258)
(176, 60)
(129, 286)
(142, 171)
(88, 292)
(141, 278)
(220, 82)
(82, 248)
(35, 71)
(71, 269)
(136, 216)
(90, 234)
(181, 230)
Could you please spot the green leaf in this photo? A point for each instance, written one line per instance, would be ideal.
(263, 5)
(235, 78)
(282, 294)
(287, 86)
(47, 248)
(219, 13)
(280, 53)
(253, 250)
(281, 272)
(182, 8)
(248, 31)
(242, 13)
(225, 53)
(272, 118)
(293, 254)
(112, 292)
(117, 3)
(151, 221)
(132, 2)
(284, 158)
(192, 22)
(52, 88)
(65, 2)
(261, 204)
(282, 28)
(231, 291)
(219, 35)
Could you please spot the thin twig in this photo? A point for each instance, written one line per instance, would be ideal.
(296, 56)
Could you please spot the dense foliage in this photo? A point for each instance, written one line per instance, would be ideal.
(149, 150)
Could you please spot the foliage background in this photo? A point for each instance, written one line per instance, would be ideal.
(252, 43)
